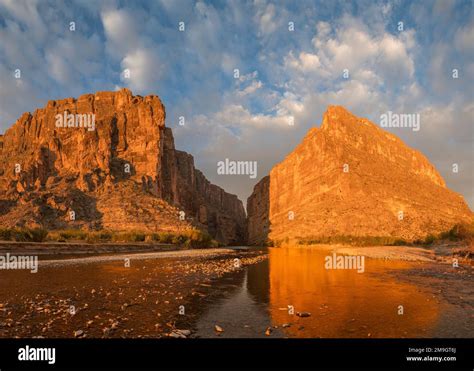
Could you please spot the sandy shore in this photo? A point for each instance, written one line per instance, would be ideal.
(65, 248)
(405, 253)
(201, 253)
(437, 253)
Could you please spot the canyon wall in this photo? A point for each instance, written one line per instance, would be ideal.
(349, 177)
(121, 172)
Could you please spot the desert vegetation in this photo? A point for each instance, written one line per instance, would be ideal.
(193, 238)
(458, 233)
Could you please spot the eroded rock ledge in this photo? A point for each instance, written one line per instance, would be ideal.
(124, 175)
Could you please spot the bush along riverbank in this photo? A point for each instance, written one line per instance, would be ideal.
(193, 238)
(460, 233)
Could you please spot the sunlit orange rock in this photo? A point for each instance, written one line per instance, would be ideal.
(122, 174)
(350, 177)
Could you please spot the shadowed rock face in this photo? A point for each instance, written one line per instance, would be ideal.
(124, 175)
(309, 194)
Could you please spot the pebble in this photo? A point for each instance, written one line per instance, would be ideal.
(59, 308)
(176, 333)
(303, 314)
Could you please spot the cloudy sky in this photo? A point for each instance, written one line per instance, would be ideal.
(404, 68)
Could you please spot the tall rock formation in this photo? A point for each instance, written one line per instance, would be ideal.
(118, 172)
(350, 177)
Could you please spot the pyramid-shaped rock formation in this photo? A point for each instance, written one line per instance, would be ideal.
(351, 178)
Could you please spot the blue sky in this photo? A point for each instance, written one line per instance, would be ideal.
(282, 73)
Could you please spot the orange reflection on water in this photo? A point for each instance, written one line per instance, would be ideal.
(344, 303)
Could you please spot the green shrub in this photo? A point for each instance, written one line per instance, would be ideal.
(138, 237)
(179, 239)
(6, 234)
(353, 240)
(73, 234)
(99, 236)
(23, 234)
(214, 243)
(192, 238)
(127, 236)
(460, 232)
(105, 236)
(165, 237)
(39, 234)
(92, 238)
(400, 242)
(429, 239)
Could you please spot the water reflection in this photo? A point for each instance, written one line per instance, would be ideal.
(344, 303)
(258, 282)
(242, 312)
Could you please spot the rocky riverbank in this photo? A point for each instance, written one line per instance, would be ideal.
(140, 295)
(443, 252)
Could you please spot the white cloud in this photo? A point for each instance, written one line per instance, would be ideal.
(145, 69)
(464, 38)
(72, 58)
(238, 117)
(26, 13)
(121, 30)
(351, 46)
(265, 18)
(250, 89)
(305, 62)
(248, 76)
(323, 29)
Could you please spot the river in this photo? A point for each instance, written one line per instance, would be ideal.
(389, 299)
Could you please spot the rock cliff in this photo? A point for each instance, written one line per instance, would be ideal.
(108, 160)
(351, 178)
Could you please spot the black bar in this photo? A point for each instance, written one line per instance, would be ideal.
(239, 353)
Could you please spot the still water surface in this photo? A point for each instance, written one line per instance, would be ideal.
(342, 303)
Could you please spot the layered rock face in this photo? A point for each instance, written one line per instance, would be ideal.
(119, 171)
(352, 178)
(221, 213)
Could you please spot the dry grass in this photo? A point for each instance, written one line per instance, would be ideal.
(458, 233)
(193, 238)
